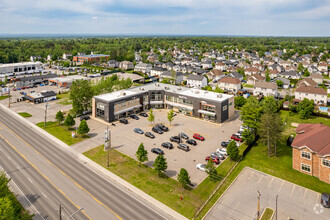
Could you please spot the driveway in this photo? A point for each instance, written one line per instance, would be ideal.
(240, 200)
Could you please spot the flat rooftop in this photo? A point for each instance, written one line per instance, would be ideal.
(19, 64)
(93, 55)
(197, 93)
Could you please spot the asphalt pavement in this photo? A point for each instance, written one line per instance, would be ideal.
(49, 175)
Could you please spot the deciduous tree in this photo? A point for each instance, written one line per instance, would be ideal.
(81, 95)
(160, 164)
(184, 178)
(141, 154)
(170, 116)
(151, 116)
(83, 128)
(59, 117)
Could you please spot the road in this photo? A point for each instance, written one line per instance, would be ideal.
(48, 175)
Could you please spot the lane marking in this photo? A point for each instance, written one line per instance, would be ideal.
(270, 182)
(43, 194)
(279, 190)
(304, 194)
(294, 186)
(250, 175)
(98, 201)
(44, 176)
(29, 179)
(9, 158)
(260, 179)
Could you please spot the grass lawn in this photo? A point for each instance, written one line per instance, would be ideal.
(65, 98)
(267, 214)
(61, 132)
(3, 97)
(25, 114)
(248, 85)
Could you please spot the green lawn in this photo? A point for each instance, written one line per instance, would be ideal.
(64, 98)
(25, 114)
(61, 132)
(248, 85)
(267, 214)
(3, 97)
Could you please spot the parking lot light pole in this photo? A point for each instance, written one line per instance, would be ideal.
(46, 106)
(276, 207)
(258, 204)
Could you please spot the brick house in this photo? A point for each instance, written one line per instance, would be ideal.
(311, 151)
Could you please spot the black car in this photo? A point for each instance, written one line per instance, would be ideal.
(149, 135)
(163, 127)
(134, 117)
(123, 121)
(157, 130)
(157, 151)
(143, 114)
(167, 145)
(224, 143)
(192, 142)
(183, 135)
(325, 200)
(175, 139)
(85, 117)
(183, 147)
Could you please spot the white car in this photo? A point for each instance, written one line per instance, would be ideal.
(222, 151)
(201, 167)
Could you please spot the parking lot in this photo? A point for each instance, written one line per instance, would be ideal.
(240, 199)
(127, 141)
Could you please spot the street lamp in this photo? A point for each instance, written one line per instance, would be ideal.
(46, 106)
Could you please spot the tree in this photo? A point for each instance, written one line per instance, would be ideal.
(59, 117)
(151, 116)
(279, 83)
(83, 127)
(239, 101)
(232, 151)
(69, 121)
(160, 164)
(269, 103)
(81, 94)
(184, 178)
(170, 116)
(248, 136)
(251, 113)
(300, 68)
(305, 108)
(211, 170)
(141, 154)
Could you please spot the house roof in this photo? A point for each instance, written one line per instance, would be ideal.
(195, 77)
(311, 89)
(48, 94)
(307, 82)
(316, 76)
(235, 75)
(215, 72)
(313, 136)
(266, 85)
(257, 77)
(252, 69)
(230, 80)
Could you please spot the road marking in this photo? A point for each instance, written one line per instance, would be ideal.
(294, 186)
(260, 179)
(29, 179)
(279, 190)
(270, 182)
(304, 194)
(18, 167)
(1, 128)
(9, 158)
(250, 175)
(98, 201)
(43, 194)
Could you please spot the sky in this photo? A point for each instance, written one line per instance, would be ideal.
(166, 17)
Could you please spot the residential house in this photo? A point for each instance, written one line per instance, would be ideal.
(126, 65)
(290, 75)
(35, 58)
(265, 88)
(199, 71)
(236, 75)
(187, 69)
(306, 82)
(143, 67)
(172, 77)
(49, 57)
(113, 63)
(250, 71)
(251, 80)
(67, 56)
(317, 78)
(258, 66)
(311, 151)
(156, 71)
(207, 65)
(196, 81)
(319, 95)
(215, 74)
(220, 66)
(323, 68)
(286, 82)
(272, 73)
(230, 84)
(275, 67)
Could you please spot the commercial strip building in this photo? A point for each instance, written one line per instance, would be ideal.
(65, 81)
(20, 67)
(41, 97)
(311, 151)
(31, 80)
(216, 107)
(92, 58)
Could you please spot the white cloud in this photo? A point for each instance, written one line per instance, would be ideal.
(94, 18)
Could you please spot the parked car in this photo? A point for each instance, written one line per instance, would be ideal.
(143, 114)
(14, 89)
(184, 147)
(192, 142)
(215, 159)
(123, 121)
(224, 143)
(134, 117)
(162, 127)
(149, 135)
(218, 155)
(237, 137)
(325, 200)
(18, 88)
(167, 145)
(157, 130)
(183, 135)
(222, 151)
(85, 117)
(138, 130)
(157, 151)
(198, 137)
(175, 139)
(201, 167)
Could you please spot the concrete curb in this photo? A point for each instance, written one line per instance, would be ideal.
(98, 169)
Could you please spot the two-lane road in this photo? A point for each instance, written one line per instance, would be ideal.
(50, 175)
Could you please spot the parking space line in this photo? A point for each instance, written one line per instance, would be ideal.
(260, 179)
(279, 190)
(317, 198)
(270, 182)
(234, 209)
(294, 186)
(250, 175)
(304, 194)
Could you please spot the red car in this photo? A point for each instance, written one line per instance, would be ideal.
(198, 137)
(214, 159)
(236, 138)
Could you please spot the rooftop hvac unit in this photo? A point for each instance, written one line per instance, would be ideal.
(123, 93)
(167, 88)
(219, 95)
(141, 88)
(197, 92)
(157, 84)
(179, 88)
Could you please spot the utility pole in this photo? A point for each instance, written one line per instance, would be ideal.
(107, 144)
(46, 106)
(258, 204)
(8, 96)
(276, 206)
(60, 211)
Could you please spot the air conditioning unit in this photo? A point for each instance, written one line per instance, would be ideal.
(123, 93)
(219, 96)
(179, 88)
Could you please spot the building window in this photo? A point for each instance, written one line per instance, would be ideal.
(305, 167)
(326, 162)
(224, 108)
(305, 155)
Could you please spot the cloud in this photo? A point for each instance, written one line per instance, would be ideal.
(94, 18)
